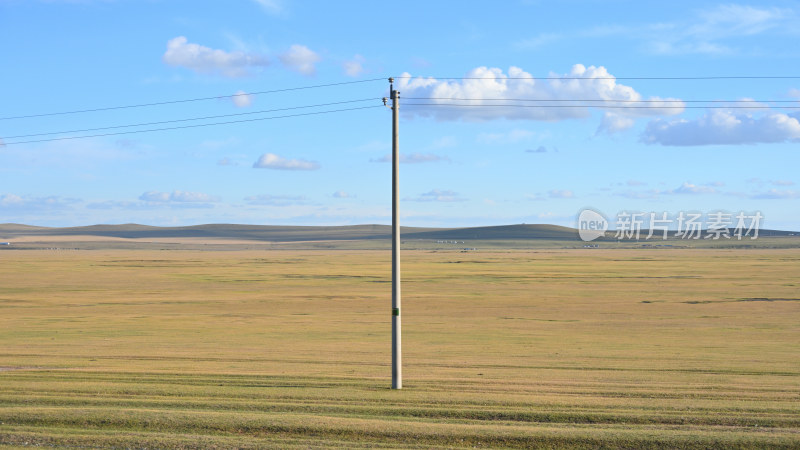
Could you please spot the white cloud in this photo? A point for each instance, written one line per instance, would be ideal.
(538, 41)
(539, 149)
(485, 86)
(715, 31)
(445, 141)
(7, 200)
(177, 197)
(271, 6)
(413, 158)
(782, 183)
(242, 99)
(724, 127)
(689, 188)
(777, 194)
(354, 67)
(273, 161)
(535, 197)
(738, 20)
(300, 59)
(16, 202)
(203, 59)
(276, 200)
(342, 194)
(558, 193)
(639, 195)
(685, 188)
(115, 204)
(614, 122)
(438, 195)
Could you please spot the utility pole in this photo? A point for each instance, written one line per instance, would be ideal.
(397, 368)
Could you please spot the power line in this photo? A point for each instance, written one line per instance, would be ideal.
(600, 100)
(745, 77)
(191, 126)
(461, 105)
(170, 102)
(218, 97)
(85, 130)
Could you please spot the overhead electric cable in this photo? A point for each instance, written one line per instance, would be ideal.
(461, 105)
(218, 97)
(500, 78)
(190, 126)
(85, 130)
(170, 102)
(600, 100)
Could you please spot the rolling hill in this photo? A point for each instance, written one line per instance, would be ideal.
(350, 236)
(274, 233)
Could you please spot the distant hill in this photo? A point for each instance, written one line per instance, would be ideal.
(350, 236)
(506, 232)
(275, 233)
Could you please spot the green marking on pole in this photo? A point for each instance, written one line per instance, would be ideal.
(395, 311)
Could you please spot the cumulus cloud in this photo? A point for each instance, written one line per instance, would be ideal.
(242, 99)
(724, 127)
(300, 59)
(276, 200)
(438, 195)
(413, 158)
(181, 53)
(354, 67)
(484, 87)
(273, 161)
(178, 197)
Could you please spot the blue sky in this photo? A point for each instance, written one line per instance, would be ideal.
(462, 166)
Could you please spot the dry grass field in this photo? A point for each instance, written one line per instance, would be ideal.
(644, 348)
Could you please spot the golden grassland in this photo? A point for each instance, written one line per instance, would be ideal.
(644, 348)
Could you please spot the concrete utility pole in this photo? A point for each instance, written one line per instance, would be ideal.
(397, 369)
